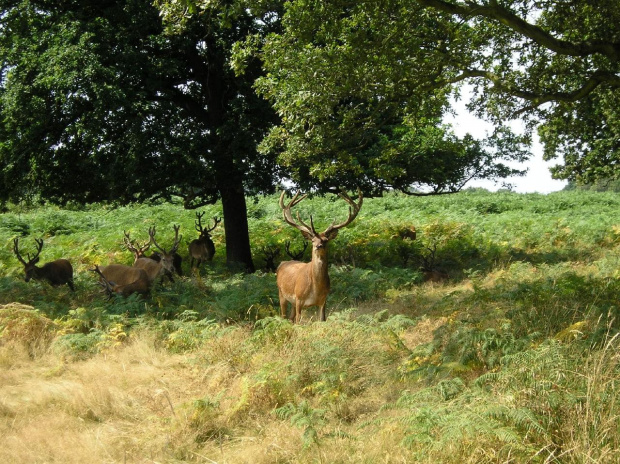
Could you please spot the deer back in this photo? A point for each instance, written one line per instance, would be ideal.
(126, 280)
(58, 272)
(152, 268)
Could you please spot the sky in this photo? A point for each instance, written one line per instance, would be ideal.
(538, 178)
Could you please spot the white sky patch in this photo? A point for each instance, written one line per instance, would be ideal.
(538, 178)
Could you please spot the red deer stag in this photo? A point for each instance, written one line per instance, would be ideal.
(202, 248)
(139, 251)
(307, 284)
(123, 280)
(165, 266)
(57, 272)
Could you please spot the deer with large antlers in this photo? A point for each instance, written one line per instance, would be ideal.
(307, 284)
(165, 266)
(139, 251)
(202, 249)
(58, 272)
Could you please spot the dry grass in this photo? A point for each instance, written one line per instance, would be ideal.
(139, 403)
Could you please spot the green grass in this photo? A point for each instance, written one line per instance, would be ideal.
(514, 359)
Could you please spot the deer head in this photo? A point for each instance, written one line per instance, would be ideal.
(167, 256)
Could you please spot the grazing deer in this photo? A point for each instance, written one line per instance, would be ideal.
(307, 284)
(202, 248)
(57, 272)
(139, 251)
(165, 266)
(123, 280)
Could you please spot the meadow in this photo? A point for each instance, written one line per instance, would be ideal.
(513, 359)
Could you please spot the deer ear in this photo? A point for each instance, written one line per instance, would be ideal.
(332, 234)
(306, 235)
(36, 260)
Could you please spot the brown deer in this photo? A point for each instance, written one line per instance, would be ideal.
(202, 249)
(307, 284)
(139, 251)
(56, 273)
(165, 266)
(123, 280)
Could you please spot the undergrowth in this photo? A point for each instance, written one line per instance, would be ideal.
(512, 359)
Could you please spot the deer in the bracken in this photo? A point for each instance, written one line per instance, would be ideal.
(202, 249)
(165, 266)
(307, 284)
(123, 280)
(56, 273)
(139, 251)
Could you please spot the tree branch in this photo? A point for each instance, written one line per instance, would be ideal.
(531, 31)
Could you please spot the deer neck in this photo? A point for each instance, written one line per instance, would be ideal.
(319, 265)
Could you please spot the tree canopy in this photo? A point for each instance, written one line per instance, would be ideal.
(99, 103)
(553, 64)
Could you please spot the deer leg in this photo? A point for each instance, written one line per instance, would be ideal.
(283, 305)
(322, 316)
(70, 284)
(297, 315)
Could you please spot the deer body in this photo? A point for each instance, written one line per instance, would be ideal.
(303, 285)
(307, 284)
(56, 273)
(202, 249)
(124, 280)
(162, 263)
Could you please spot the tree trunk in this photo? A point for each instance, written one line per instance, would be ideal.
(238, 252)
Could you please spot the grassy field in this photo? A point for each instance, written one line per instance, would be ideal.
(513, 359)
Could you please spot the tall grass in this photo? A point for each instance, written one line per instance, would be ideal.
(513, 359)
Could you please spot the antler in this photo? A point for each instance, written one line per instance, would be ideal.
(198, 225)
(298, 255)
(175, 246)
(107, 286)
(16, 251)
(288, 216)
(354, 209)
(136, 248)
(19, 256)
(216, 221)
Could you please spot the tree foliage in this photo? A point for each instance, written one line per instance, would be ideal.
(99, 103)
(554, 63)
(356, 86)
(365, 68)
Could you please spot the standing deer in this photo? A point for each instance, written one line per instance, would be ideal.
(57, 272)
(123, 280)
(307, 284)
(165, 266)
(202, 248)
